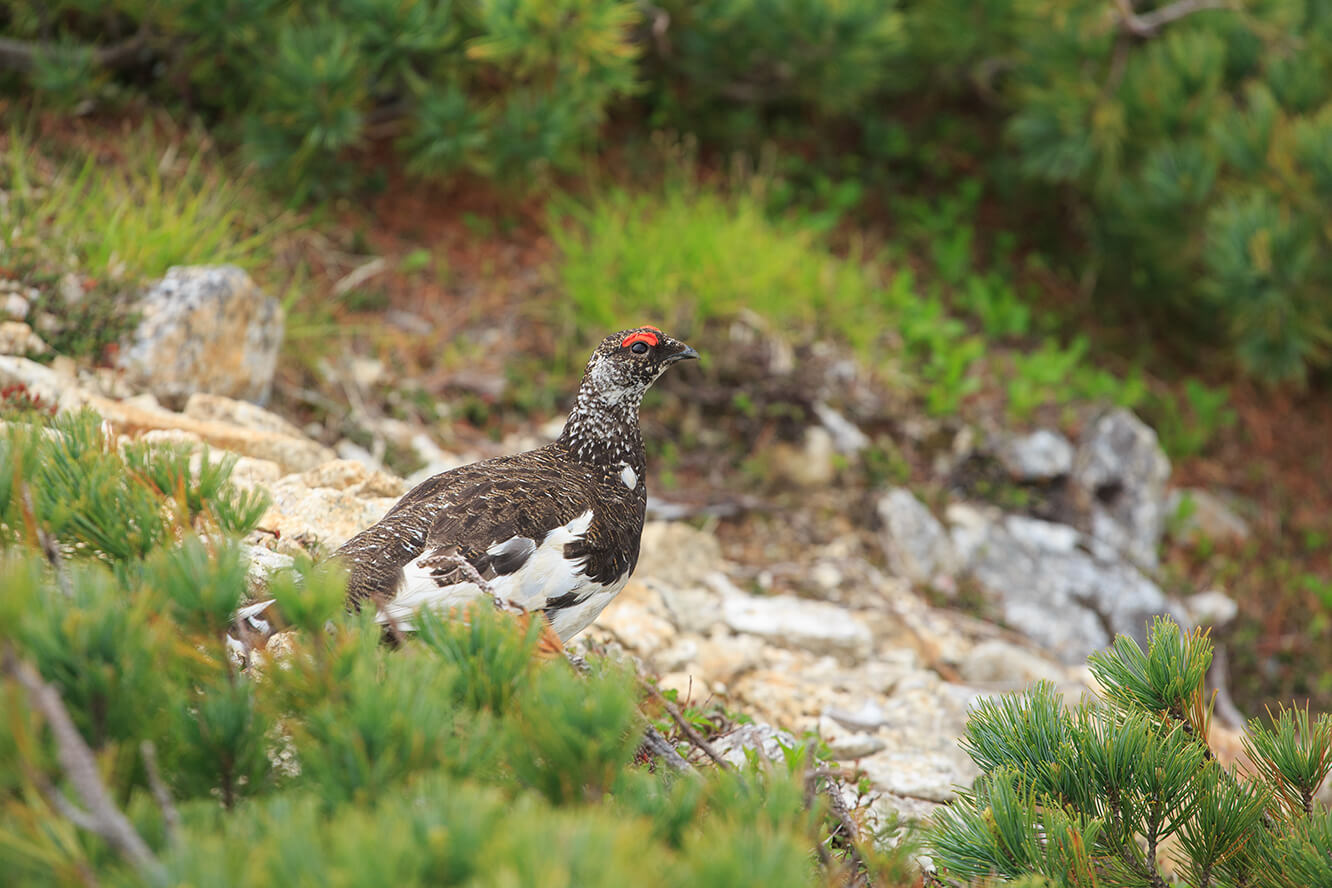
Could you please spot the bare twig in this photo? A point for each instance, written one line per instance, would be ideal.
(45, 542)
(1149, 23)
(661, 23)
(471, 573)
(359, 275)
(694, 736)
(660, 747)
(1218, 676)
(811, 790)
(76, 759)
(19, 55)
(846, 823)
(161, 794)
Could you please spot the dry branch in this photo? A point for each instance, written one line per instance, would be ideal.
(76, 759)
(20, 55)
(846, 824)
(170, 816)
(1148, 23)
(686, 728)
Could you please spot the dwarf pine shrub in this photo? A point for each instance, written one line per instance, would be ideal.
(455, 758)
(1124, 791)
(501, 88)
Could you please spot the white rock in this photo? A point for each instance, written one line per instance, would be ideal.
(763, 739)
(933, 776)
(723, 657)
(349, 475)
(13, 305)
(997, 661)
(690, 608)
(1211, 608)
(366, 372)
(869, 716)
(1120, 470)
(1039, 456)
(207, 328)
(826, 576)
(677, 553)
(913, 540)
(41, 382)
(844, 744)
(794, 622)
(264, 563)
(634, 621)
(352, 452)
(17, 338)
(1056, 586)
(321, 516)
(812, 464)
(250, 472)
(846, 437)
(1046, 536)
(219, 408)
(677, 657)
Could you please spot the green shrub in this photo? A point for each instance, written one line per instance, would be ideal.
(712, 57)
(692, 258)
(1095, 793)
(1199, 148)
(689, 256)
(504, 88)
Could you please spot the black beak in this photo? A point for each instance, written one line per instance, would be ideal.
(685, 355)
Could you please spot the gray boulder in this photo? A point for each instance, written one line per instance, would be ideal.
(1039, 456)
(787, 621)
(1055, 585)
(914, 542)
(1120, 474)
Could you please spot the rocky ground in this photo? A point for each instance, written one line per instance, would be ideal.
(844, 639)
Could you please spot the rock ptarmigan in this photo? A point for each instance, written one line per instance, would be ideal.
(554, 530)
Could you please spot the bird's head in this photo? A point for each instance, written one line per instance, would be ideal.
(626, 363)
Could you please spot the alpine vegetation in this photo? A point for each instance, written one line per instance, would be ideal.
(137, 752)
(1126, 791)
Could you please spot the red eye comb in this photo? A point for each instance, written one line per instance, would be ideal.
(640, 336)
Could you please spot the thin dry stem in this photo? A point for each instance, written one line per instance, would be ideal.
(76, 760)
(686, 728)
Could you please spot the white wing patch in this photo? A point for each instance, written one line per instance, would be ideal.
(546, 573)
(629, 476)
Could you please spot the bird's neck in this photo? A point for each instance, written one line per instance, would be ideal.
(603, 430)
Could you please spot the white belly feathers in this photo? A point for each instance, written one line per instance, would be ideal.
(543, 575)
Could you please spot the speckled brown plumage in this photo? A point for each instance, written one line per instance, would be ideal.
(568, 506)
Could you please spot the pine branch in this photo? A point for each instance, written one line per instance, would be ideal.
(162, 795)
(1147, 24)
(76, 759)
(21, 55)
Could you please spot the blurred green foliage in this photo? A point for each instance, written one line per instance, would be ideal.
(501, 88)
(1100, 793)
(692, 258)
(1187, 144)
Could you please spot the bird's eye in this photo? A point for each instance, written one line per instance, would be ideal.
(639, 348)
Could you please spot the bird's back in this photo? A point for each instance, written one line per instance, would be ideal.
(544, 530)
